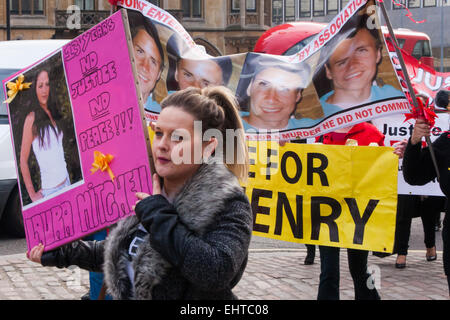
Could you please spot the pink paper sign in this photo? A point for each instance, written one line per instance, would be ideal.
(82, 100)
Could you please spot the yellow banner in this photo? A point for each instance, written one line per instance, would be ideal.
(339, 196)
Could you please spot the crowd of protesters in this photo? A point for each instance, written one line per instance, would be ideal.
(166, 251)
(190, 238)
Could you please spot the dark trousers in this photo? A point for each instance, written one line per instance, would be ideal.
(446, 245)
(409, 207)
(330, 277)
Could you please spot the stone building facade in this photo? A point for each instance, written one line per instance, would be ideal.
(47, 19)
(221, 26)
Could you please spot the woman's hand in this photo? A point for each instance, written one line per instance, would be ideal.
(35, 254)
(421, 129)
(156, 190)
(399, 148)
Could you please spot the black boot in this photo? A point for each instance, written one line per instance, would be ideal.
(86, 296)
(310, 255)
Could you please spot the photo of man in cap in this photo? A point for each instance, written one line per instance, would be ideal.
(269, 91)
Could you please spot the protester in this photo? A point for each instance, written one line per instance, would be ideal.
(190, 239)
(365, 134)
(418, 169)
(409, 207)
(442, 98)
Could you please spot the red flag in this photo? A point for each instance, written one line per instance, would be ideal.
(425, 80)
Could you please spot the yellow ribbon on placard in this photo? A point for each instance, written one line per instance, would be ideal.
(101, 162)
(15, 87)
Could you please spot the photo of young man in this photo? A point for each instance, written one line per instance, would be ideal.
(148, 55)
(188, 68)
(270, 90)
(352, 61)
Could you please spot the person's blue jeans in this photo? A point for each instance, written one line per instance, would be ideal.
(330, 276)
(96, 278)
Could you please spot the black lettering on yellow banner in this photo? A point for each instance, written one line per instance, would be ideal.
(317, 219)
(329, 195)
(360, 222)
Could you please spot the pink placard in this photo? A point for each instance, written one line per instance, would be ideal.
(91, 86)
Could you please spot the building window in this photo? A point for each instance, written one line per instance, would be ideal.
(250, 5)
(154, 2)
(192, 8)
(235, 5)
(413, 3)
(305, 8)
(277, 11)
(429, 3)
(33, 7)
(289, 10)
(344, 3)
(398, 4)
(318, 7)
(332, 6)
(85, 4)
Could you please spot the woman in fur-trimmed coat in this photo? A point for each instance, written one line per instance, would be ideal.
(189, 240)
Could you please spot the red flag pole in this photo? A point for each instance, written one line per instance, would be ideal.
(408, 81)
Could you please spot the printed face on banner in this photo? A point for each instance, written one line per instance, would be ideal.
(352, 68)
(337, 80)
(270, 91)
(273, 98)
(46, 147)
(79, 140)
(198, 73)
(188, 68)
(148, 61)
(148, 53)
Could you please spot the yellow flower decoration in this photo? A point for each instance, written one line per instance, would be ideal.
(101, 162)
(15, 87)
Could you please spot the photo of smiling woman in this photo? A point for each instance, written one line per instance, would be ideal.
(43, 133)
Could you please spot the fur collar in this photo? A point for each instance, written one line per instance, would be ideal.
(198, 205)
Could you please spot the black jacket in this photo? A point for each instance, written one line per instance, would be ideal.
(418, 168)
(196, 248)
